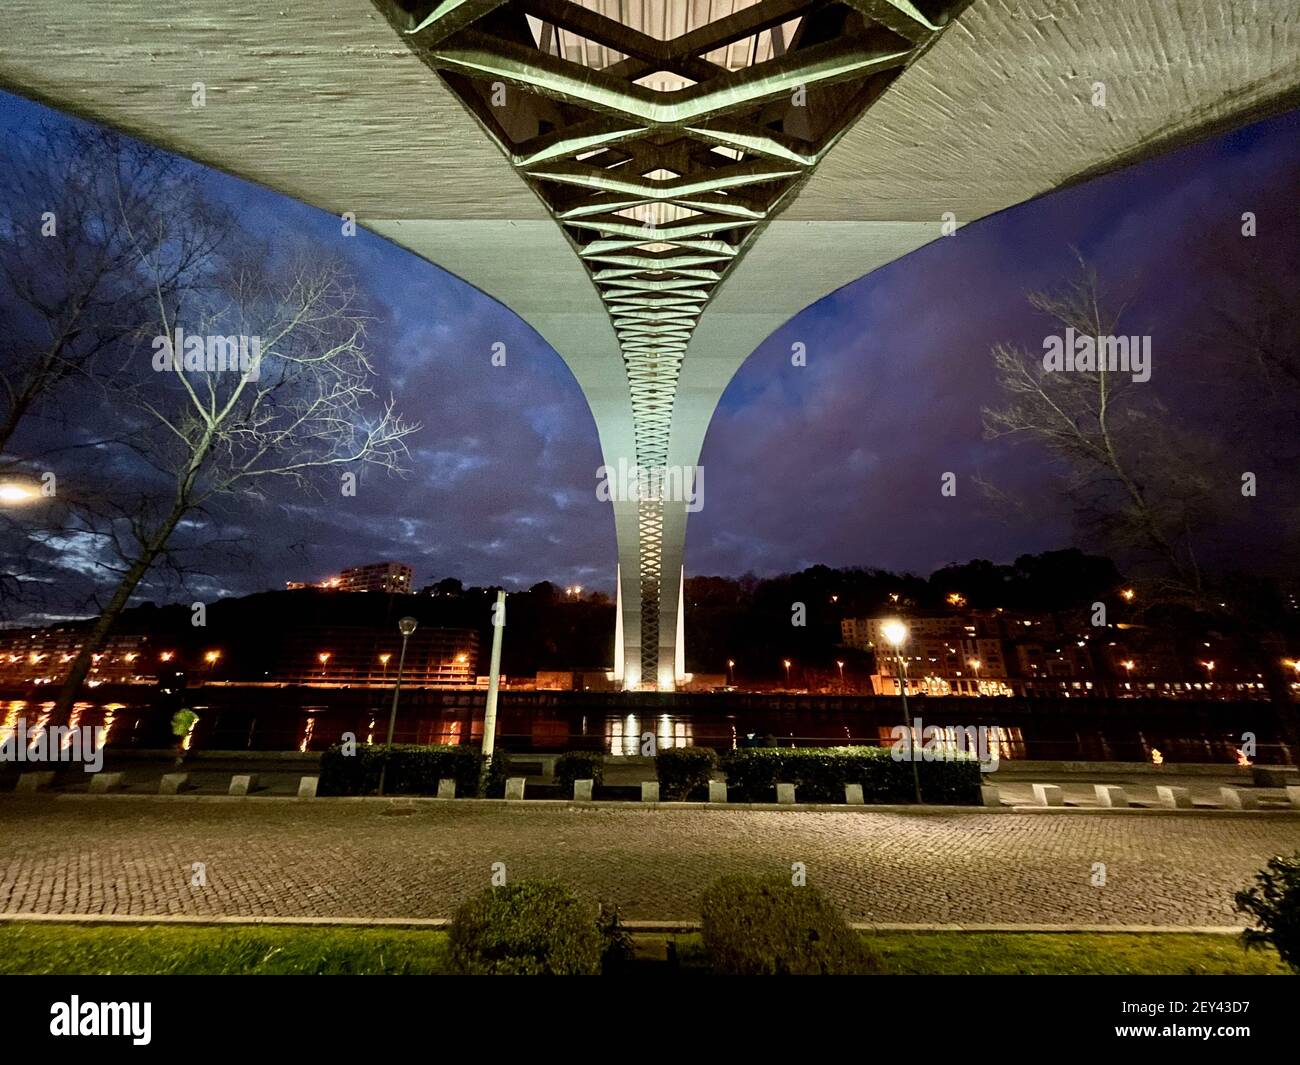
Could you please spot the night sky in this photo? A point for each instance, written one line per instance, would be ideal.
(837, 462)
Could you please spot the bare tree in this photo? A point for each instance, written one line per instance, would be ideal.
(204, 425)
(1134, 478)
(93, 228)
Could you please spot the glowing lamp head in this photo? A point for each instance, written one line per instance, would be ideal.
(406, 626)
(895, 632)
(14, 493)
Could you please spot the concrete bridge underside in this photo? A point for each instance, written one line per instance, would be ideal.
(657, 185)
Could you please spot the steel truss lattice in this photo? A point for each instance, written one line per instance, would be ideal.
(663, 135)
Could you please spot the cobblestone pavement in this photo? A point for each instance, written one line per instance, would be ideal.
(379, 859)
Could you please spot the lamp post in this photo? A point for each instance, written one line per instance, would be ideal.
(896, 633)
(405, 626)
(786, 662)
(975, 664)
(731, 677)
(840, 666)
(494, 680)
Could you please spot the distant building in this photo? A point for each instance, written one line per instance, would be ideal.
(579, 680)
(1029, 654)
(435, 657)
(374, 577)
(377, 577)
(43, 656)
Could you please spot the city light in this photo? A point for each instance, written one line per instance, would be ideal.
(1127, 595)
(895, 632)
(383, 659)
(956, 599)
(15, 493)
(323, 657)
(211, 657)
(166, 656)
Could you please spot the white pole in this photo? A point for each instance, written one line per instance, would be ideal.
(494, 678)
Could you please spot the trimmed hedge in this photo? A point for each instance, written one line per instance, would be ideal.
(579, 765)
(820, 773)
(532, 928)
(752, 926)
(684, 772)
(413, 769)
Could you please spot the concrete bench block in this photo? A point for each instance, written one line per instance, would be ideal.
(307, 787)
(990, 795)
(717, 791)
(173, 783)
(785, 794)
(1238, 799)
(1048, 795)
(242, 784)
(1173, 798)
(37, 781)
(515, 787)
(582, 790)
(649, 791)
(1111, 795)
(102, 783)
(446, 788)
(1274, 776)
(853, 794)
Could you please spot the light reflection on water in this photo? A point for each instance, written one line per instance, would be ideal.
(623, 736)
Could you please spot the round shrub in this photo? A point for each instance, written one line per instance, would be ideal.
(759, 927)
(579, 765)
(1274, 903)
(532, 928)
(684, 771)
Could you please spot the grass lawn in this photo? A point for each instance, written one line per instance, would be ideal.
(31, 949)
(1110, 953)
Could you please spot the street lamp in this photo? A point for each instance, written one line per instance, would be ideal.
(324, 659)
(975, 664)
(16, 493)
(405, 626)
(840, 666)
(786, 662)
(731, 665)
(896, 633)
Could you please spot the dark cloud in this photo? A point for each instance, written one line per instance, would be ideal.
(839, 462)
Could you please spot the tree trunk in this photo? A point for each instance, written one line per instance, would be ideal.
(80, 667)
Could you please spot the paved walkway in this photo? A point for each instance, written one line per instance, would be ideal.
(379, 859)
